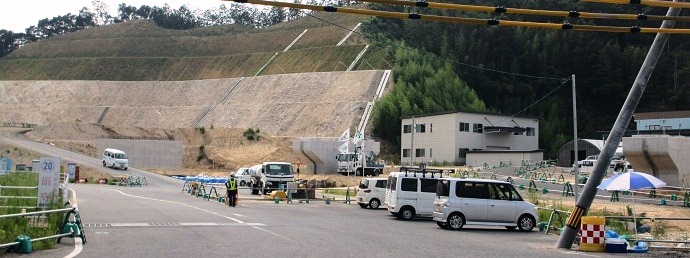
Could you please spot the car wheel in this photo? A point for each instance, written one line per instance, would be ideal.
(242, 183)
(406, 213)
(511, 228)
(104, 163)
(442, 225)
(374, 203)
(526, 223)
(126, 168)
(377, 172)
(456, 221)
(358, 173)
(363, 205)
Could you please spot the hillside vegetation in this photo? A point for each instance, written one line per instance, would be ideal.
(140, 50)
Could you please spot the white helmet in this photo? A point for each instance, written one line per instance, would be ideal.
(232, 174)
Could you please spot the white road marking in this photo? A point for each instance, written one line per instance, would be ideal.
(239, 215)
(194, 207)
(179, 203)
(178, 224)
(77, 248)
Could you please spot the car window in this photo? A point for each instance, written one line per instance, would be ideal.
(477, 190)
(380, 184)
(429, 185)
(408, 184)
(443, 188)
(364, 184)
(508, 192)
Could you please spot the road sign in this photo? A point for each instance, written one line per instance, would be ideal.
(5, 166)
(72, 170)
(48, 181)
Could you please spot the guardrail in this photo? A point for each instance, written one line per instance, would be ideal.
(70, 228)
(33, 196)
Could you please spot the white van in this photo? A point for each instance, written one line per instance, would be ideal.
(115, 159)
(371, 192)
(485, 202)
(412, 192)
(242, 176)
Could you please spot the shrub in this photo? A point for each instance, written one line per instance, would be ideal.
(202, 130)
(251, 134)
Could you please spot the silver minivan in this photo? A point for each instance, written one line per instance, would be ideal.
(484, 202)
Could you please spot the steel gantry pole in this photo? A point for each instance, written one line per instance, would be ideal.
(568, 236)
(576, 169)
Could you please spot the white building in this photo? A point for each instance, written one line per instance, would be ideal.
(469, 138)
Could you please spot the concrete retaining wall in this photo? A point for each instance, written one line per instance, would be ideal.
(663, 156)
(146, 153)
(321, 152)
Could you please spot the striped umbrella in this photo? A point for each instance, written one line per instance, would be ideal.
(631, 181)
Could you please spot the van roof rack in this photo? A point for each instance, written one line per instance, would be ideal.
(423, 170)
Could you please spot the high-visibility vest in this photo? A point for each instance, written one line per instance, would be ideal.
(232, 184)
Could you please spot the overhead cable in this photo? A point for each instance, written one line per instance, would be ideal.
(462, 20)
(503, 9)
(655, 3)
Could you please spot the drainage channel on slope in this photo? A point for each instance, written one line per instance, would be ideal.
(170, 224)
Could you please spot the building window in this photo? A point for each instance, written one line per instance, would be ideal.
(421, 128)
(478, 128)
(419, 152)
(654, 127)
(431, 153)
(431, 127)
(407, 128)
(464, 127)
(406, 153)
(531, 131)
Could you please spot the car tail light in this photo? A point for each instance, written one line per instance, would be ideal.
(366, 191)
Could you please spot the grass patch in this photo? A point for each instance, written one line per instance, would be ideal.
(36, 227)
(615, 225)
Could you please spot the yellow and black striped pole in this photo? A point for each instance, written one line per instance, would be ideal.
(462, 20)
(502, 9)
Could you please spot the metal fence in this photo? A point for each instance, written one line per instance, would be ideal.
(71, 227)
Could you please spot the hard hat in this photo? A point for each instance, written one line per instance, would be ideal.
(232, 174)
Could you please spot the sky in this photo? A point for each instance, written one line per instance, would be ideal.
(17, 15)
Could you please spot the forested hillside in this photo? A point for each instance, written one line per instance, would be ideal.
(605, 65)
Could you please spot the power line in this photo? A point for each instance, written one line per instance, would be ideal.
(452, 60)
(502, 9)
(655, 3)
(462, 20)
(563, 82)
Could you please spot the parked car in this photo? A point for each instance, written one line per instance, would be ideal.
(485, 202)
(371, 192)
(242, 176)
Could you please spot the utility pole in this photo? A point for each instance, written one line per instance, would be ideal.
(585, 201)
(577, 169)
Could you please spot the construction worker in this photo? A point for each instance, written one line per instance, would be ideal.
(231, 185)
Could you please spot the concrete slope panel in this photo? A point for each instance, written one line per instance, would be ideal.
(660, 155)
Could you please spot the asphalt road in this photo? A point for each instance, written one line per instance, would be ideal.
(160, 221)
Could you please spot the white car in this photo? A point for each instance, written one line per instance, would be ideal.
(411, 193)
(484, 202)
(371, 192)
(115, 159)
(242, 176)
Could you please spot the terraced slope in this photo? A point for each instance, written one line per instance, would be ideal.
(282, 105)
(141, 51)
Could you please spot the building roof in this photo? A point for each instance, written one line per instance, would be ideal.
(662, 115)
(506, 151)
(453, 112)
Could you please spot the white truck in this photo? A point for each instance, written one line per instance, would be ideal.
(270, 176)
(352, 163)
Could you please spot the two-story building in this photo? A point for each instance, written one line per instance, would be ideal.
(469, 138)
